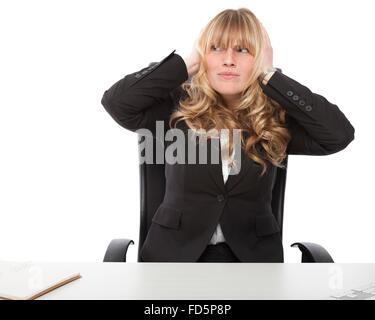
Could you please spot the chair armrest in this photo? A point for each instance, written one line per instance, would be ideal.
(312, 252)
(117, 249)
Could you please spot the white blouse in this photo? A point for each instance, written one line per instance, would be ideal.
(218, 235)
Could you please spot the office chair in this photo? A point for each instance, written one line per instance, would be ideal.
(152, 188)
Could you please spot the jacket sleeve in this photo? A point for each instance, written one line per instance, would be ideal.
(141, 98)
(317, 126)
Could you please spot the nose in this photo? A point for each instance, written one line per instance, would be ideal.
(229, 57)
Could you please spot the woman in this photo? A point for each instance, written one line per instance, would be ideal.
(227, 82)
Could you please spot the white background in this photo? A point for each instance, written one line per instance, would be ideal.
(69, 176)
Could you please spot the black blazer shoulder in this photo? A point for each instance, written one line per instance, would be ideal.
(137, 101)
(151, 94)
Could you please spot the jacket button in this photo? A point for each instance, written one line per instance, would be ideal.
(295, 98)
(308, 108)
(289, 93)
(220, 197)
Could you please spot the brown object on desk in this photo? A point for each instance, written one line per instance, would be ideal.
(44, 291)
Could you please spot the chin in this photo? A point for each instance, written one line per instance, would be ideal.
(229, 93)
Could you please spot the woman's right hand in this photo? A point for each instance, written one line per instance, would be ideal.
(193, 60)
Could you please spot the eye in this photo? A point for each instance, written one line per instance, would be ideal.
(214, 48)
(243, 49)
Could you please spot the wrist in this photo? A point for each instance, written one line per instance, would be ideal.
(266, 75)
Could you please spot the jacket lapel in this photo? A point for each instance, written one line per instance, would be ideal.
(234, 179)
(216, 172)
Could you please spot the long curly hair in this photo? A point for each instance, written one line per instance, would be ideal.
(203, 108)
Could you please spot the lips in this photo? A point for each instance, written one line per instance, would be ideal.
(228, 75)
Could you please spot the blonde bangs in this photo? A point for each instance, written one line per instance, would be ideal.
(230, 31)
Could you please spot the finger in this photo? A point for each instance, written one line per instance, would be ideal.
(267, 38)
(264, 32)
(264, 29)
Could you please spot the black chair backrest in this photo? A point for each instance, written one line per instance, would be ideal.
(152, 189)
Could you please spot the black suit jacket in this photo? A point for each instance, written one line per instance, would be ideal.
(196, 198)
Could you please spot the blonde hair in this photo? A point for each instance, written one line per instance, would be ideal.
(204, 109)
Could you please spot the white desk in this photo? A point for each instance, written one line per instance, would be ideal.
(190, 281)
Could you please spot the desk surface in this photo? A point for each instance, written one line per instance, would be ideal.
(190, 281)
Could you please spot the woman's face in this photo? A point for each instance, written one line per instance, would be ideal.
(236, 61)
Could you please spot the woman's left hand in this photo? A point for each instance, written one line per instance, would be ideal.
(267, 50)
